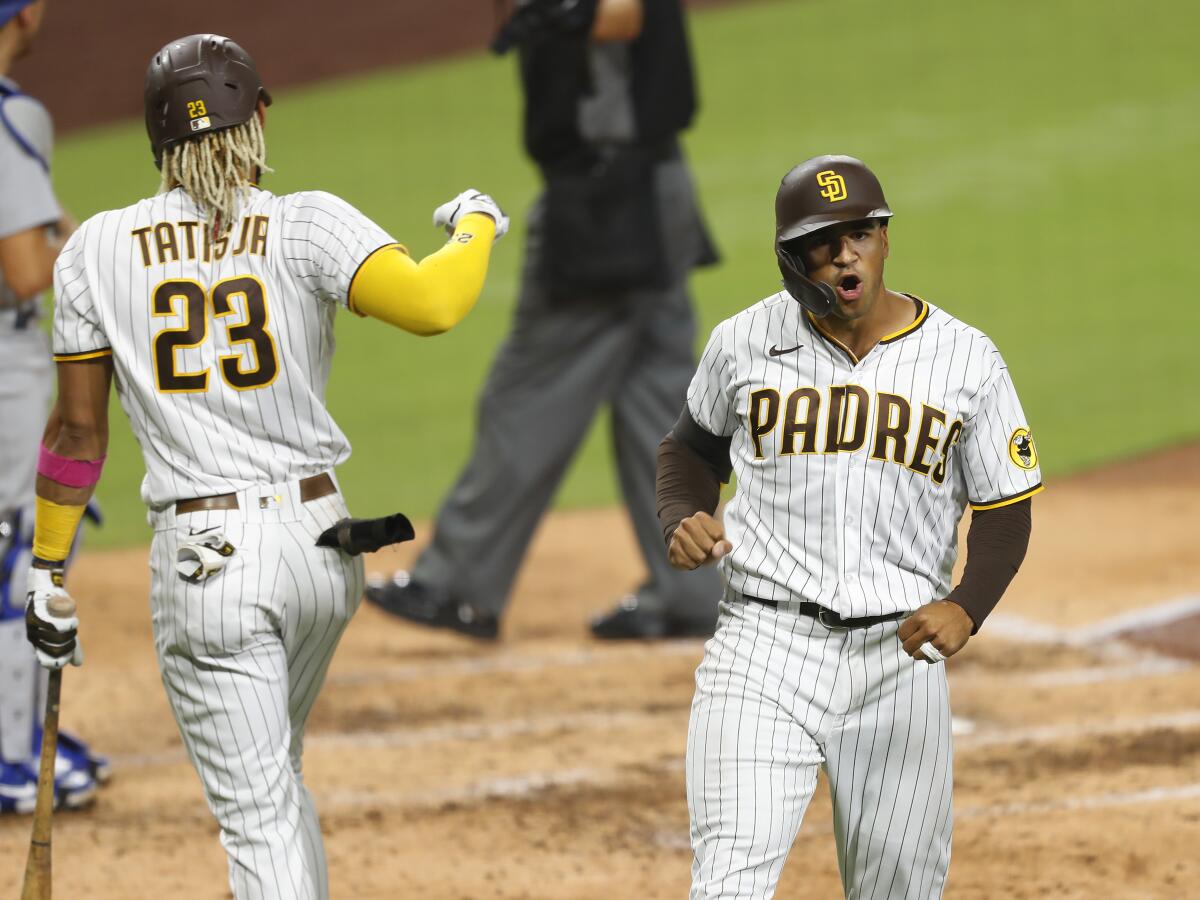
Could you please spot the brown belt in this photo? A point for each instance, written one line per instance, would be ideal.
(310, 489)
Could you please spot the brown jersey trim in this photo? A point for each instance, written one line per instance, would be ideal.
(1008, 501)
(922, 316)
(82, 355)
(816, 325)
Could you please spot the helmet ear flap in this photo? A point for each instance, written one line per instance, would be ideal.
(815, 296)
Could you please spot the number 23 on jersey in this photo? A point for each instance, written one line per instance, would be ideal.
(255, 365)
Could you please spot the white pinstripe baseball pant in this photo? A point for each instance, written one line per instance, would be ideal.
(243, 656)
(779, 695)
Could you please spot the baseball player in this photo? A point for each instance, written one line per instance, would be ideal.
(860, 422)
(32, 230)
(211, 305)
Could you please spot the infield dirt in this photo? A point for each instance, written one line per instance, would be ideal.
(551, 766)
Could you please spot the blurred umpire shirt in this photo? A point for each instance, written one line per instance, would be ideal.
(603, 318)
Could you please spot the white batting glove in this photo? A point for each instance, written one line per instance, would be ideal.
(54, 637)
(470, 201)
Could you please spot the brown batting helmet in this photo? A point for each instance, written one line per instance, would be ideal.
(197, 85)
(824, 191)
(818, 193)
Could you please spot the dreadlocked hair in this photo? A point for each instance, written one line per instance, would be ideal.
(217, 170)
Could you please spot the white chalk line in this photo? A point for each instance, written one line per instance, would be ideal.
(1139, 619)
(1148, 667)
(1020, 629)
(1049, 734)
(1092, 801)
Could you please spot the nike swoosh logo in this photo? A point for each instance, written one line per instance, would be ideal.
(775, 351)
(193, 533)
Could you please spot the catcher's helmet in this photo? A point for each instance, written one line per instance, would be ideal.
(197, 85)
(818, 193)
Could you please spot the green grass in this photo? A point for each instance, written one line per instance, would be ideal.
(1038, 155)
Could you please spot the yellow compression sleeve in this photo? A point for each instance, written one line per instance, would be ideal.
(433, 295)
(54, 529)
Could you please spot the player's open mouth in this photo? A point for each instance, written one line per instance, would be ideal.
(849, 287)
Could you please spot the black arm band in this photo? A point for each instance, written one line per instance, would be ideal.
(996, 545)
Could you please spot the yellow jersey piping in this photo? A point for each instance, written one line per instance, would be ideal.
(82, 355)
(1008, 501)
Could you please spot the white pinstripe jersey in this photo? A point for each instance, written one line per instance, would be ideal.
(852, 476)
(221, 349)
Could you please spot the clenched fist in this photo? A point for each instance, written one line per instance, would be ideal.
(470, 201)
(699, 539)
(943, 623)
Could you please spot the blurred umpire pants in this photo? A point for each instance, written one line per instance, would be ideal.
(563, 360)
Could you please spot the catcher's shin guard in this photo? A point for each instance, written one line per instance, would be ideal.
(20, 677)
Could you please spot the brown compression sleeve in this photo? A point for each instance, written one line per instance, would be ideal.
(996, 545)
(684, 485)
(692, 464)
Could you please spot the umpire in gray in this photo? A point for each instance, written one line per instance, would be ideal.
(603, 317)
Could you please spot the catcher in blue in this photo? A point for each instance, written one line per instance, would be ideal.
(33, 228)
(860, 422)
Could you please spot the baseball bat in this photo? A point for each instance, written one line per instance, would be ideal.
(37, 866)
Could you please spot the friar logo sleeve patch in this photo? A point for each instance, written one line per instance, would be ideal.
(1021, 449)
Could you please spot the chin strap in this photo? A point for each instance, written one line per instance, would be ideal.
(815, 296)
